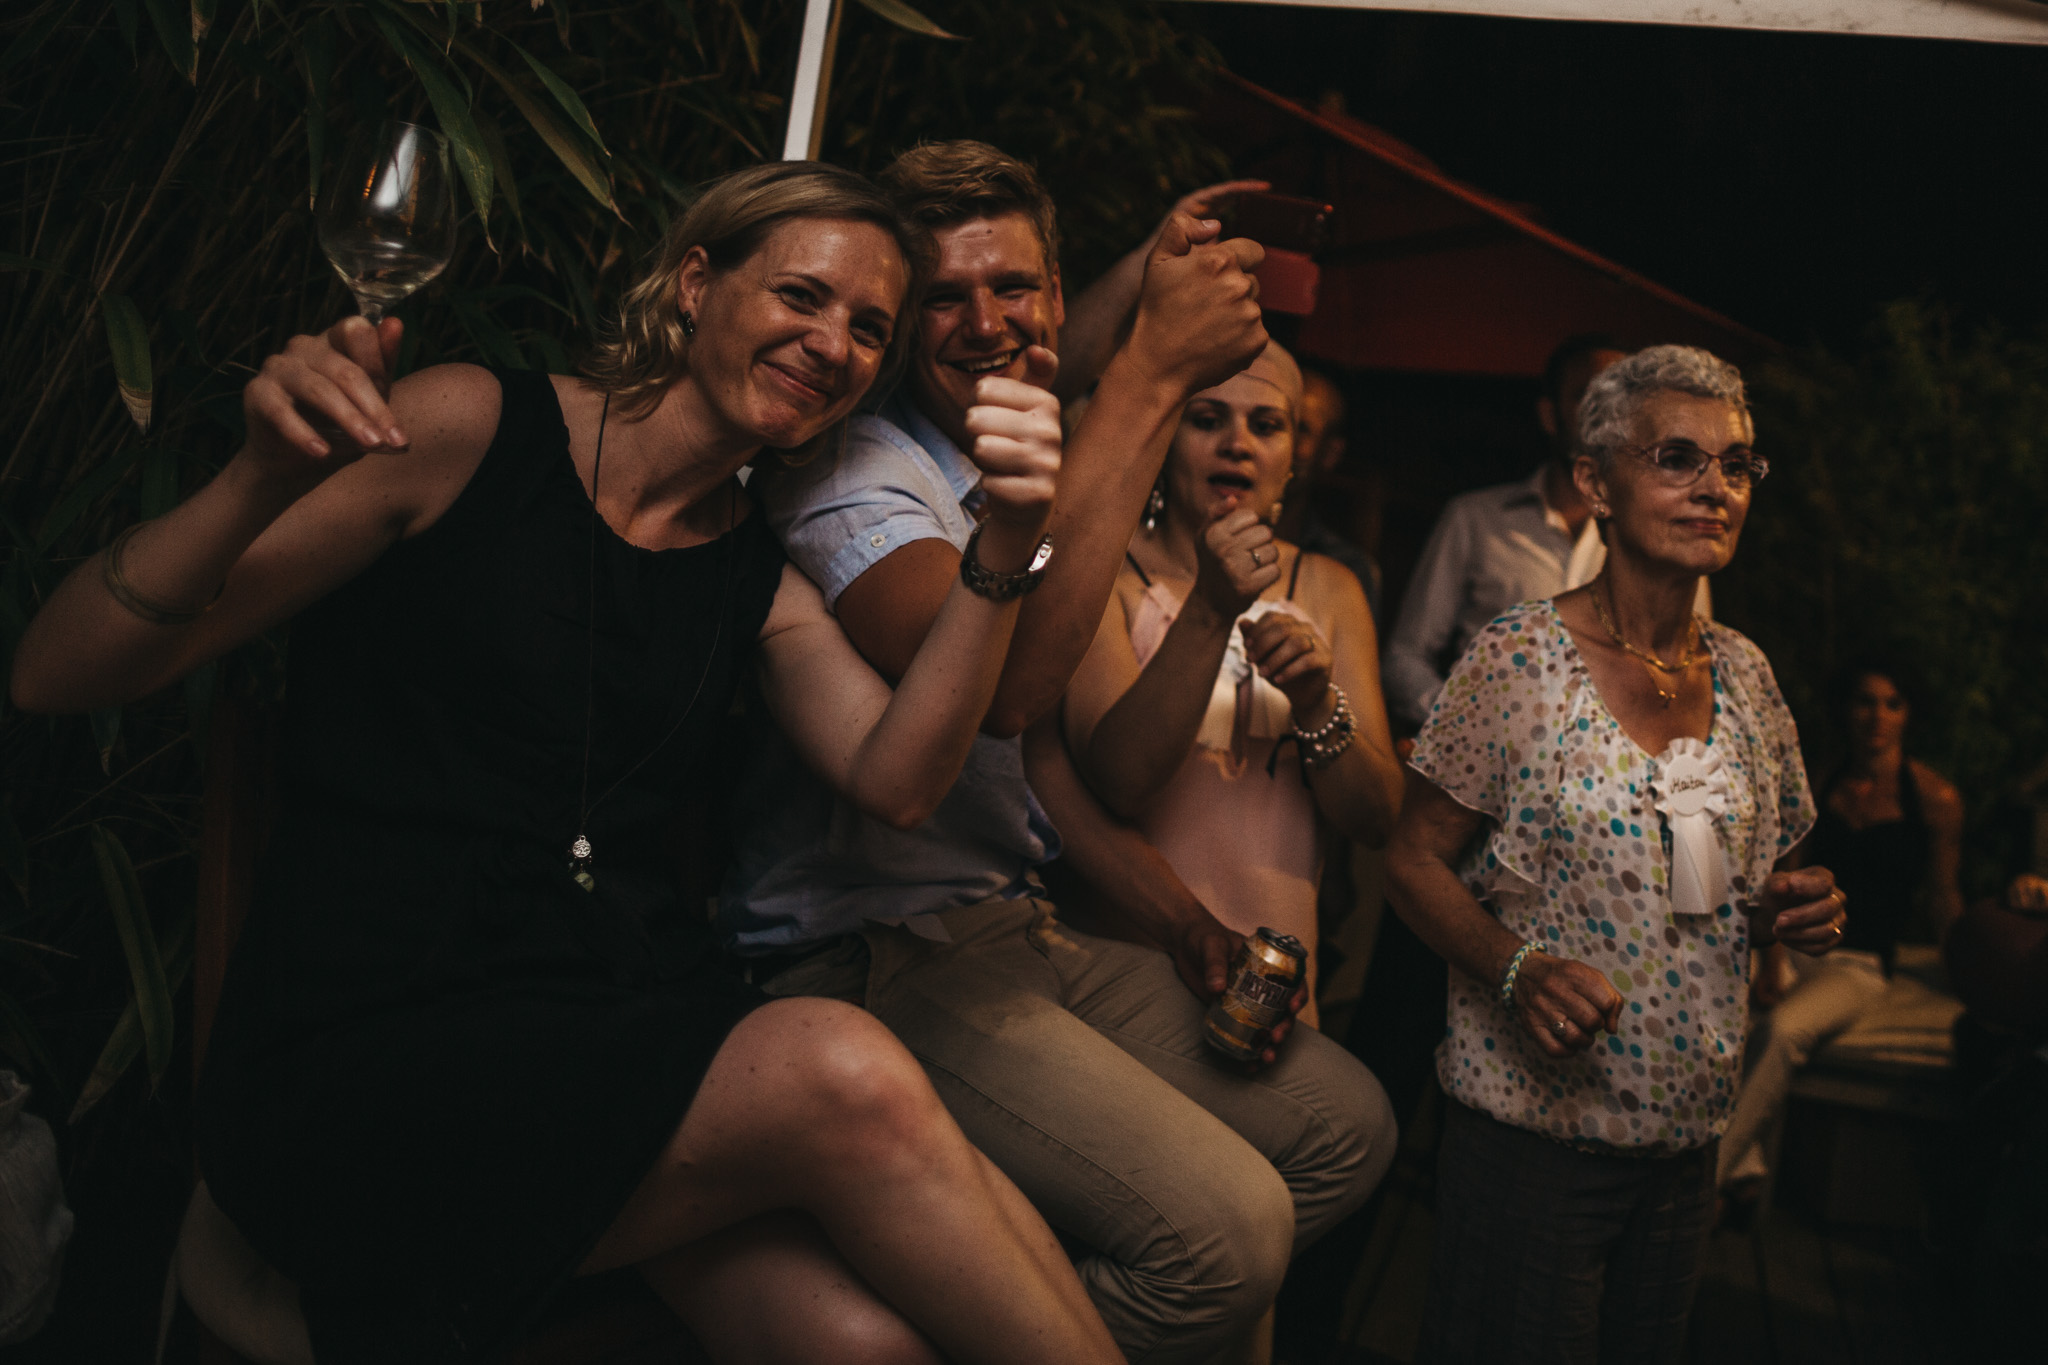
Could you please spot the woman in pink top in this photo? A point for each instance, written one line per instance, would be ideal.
(1222, 646)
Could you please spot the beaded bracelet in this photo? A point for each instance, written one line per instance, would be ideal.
(156, 613)
(1324, 745)
(1508, 977)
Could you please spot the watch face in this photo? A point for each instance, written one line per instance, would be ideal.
(1044, 553)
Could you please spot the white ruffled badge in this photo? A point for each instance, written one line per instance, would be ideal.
(1691, 788)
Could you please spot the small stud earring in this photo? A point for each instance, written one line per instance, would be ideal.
(1600, 510)
(689, 327)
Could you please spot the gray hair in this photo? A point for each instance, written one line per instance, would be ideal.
(1607, 413)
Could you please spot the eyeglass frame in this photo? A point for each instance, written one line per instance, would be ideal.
(1759, 464)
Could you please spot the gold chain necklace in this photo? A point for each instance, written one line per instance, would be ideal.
(1692, 655)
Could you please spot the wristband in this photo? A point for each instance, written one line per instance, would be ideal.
(122, 591)
(1514, 971)
(1002, 587)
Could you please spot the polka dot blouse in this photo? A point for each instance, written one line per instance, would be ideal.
(1577, 857)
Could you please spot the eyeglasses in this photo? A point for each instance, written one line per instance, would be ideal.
(1679, 464)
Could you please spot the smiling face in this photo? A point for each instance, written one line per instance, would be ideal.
(1878, 713)
(1691, 529)
(991, 296)
(1234, 441)
(789, 340)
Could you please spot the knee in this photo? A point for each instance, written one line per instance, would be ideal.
(873, 1335)
(851, 1086)
(1238, 1253)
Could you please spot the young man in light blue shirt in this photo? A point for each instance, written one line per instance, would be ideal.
(1073, 1061)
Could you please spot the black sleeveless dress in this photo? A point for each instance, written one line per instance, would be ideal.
(1881, 868)
(441, 1066)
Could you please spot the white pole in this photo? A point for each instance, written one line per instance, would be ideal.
(807, 97)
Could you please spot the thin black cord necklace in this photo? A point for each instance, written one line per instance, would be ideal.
(580, 856)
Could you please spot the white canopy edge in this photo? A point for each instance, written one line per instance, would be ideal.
(1980, 21)
(1977, 21)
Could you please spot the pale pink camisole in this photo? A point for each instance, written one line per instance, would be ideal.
(1239, 828)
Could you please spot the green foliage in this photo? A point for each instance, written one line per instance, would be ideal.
(1904, 515)
(157, 241)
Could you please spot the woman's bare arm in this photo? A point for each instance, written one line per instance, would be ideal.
(895, 754)
(292, 516)
(1428, 893)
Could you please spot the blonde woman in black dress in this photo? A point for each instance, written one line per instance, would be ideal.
(472, 1043)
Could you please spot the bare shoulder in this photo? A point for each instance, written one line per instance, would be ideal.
(451, 413)
(1327, 587)
(1938, 796)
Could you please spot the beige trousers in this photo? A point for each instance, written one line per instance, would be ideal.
(1076, 1064)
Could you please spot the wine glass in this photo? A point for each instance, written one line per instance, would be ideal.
(387, 220)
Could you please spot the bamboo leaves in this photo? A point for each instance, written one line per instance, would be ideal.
(572, 150)
(128, 339)
(152, 988)
(451, 111)
(173, 25)
(906, 18)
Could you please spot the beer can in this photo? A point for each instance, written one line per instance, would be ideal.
(1264, 976)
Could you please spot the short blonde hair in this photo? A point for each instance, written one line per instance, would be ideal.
(644, 349)
(943, 183)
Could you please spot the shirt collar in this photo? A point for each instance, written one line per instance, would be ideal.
(1532, 493)
(962, 476)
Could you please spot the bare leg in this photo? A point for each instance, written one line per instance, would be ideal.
(813, 1105)
(773, 1291)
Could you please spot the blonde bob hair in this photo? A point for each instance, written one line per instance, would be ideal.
(644, 349)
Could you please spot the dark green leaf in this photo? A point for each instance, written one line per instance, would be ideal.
(571, 102)
(501, 161)
(904, 17)
(202, 20)
(573, 152)
(451, 111)
(316, 52)
(128, 339)
(127, 1038)
(490, 338)
(10, 260)
(128, 14)
(152, 991)
(173, 25)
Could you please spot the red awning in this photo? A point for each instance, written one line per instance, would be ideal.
(1426, 274)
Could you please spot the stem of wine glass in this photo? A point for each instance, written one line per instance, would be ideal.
(369, 308)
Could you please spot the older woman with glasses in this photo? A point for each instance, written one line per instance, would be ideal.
(1594, 812)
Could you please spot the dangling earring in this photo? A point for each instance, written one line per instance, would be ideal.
(1155, 506)
(1279, 505)
(689, 327)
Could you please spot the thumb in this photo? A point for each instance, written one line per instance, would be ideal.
(1040, 366)
(1182, 231)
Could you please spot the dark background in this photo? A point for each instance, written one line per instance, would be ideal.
(1791, 181)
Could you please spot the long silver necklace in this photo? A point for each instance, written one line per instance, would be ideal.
(582, 860)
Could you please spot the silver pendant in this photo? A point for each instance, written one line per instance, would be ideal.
(579, 863)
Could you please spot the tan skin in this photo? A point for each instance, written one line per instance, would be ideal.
(815, 1170)
(1660, 541)
(995, 301)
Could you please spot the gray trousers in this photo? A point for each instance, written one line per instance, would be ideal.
(1549, 1254)
(1076, 1064)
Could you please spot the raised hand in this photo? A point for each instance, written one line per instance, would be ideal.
(1807, 911)
(1016, 428)
(1291, 654)
(1198, 320)
(1564, 1004)
(1210, 200)
(1235, 560)
(319, 404)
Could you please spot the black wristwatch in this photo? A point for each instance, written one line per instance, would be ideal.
(1001, 587)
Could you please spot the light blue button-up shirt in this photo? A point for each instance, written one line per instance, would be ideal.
(807, 865)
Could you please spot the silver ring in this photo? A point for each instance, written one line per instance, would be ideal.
(1257, 563)
(1560, 1026)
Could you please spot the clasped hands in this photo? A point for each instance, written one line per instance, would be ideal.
(1237, 558)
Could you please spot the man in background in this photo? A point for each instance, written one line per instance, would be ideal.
(1499, 546)
(1319, 447)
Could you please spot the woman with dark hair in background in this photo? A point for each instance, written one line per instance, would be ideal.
(1891, 830)
(474, 1040)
